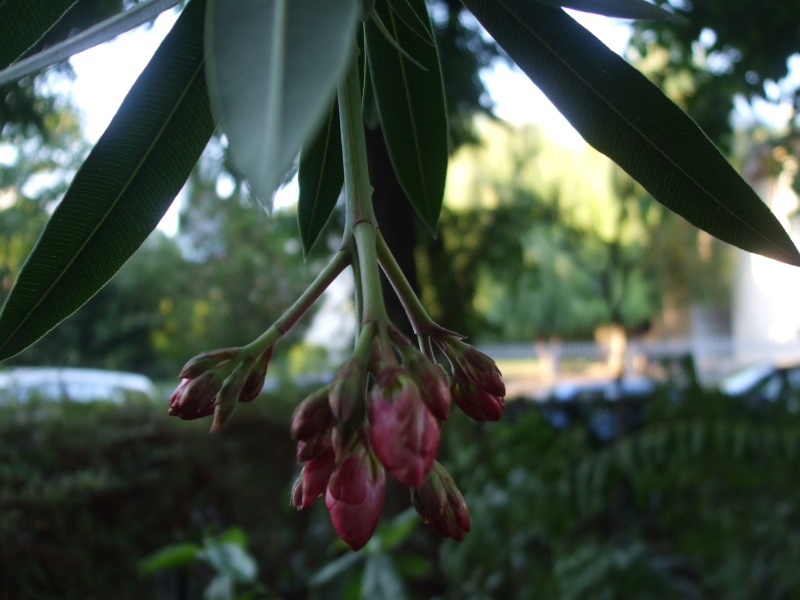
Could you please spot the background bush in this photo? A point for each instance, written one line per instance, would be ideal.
(701, 502)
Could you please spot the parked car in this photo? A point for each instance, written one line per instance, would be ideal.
(77, 385)
(609, 406)
(764, 384)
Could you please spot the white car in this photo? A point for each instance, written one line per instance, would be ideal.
(77, 385)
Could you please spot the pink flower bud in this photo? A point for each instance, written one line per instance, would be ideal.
(348, 391)
(478, 386)
(314, 446)
(439, 503)
(345, 437)
(194, 398)
(354, 498)
(477, 403)
(431, 380)
(255, 381)
(312, 481)
(403, 432)
(312, 416)
(481, 370)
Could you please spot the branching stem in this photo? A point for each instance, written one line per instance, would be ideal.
(300, 306)
(360, 223)
(422, 323)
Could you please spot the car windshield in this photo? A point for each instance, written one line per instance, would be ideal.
(77, 385)
(745, 380)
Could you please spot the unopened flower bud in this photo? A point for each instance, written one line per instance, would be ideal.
(228, 395)
(314, 446)
(439, 503)
(354, 498)
(312, 481)
(255, 381)
(481, 370)
(478, 386)
(431, 380)
(312, 416)
(347, 392)
(403, 432)
(344, 438)
(207, 361)
(194, 398)
(477, 403)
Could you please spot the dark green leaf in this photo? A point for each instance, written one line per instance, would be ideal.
(234, 535)
(122, 190)
(321, 177)
(396, 531)
(171, 557)
(272, 69)
(335, 568)
(97, 34)
(381, 580)
(411, 108)
(411, 19)
(389, 37)
(23, 22)
(621, 9)
(230, 560)
(619, 112)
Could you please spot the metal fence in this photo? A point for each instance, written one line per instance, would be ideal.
(540, 364)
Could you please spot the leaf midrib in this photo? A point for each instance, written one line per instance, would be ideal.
(406, 92)
(122, 192)
(552, 51)
(318, 189)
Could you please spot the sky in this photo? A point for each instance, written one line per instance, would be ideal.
(105, 73)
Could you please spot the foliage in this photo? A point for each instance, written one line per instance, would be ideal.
(160, 304)
(719, 52)
(90, 490)
(535, 251)
(613, 106)
(225, 553)
(699, 503)
(277, 72)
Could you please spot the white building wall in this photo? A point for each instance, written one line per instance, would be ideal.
(766, 304)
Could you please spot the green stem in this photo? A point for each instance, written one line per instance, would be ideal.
(426, 346)
(358, 300)
(300, 306)
(374, 309)
(360, 220)
(358, 191)
(420, 320)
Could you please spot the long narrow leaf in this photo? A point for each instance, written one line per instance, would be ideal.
(122, 190)
(621, 9)
(273, 67)
(23, 23)
(411, 108)
(412, 20)
(321, 177)
(102, 32)
(619, 112)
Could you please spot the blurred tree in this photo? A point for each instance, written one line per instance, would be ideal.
(724, 50)
(248, 266)
(464, 51)
(541, 252)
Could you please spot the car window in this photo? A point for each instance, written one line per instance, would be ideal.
(772, 388)
(793, 377)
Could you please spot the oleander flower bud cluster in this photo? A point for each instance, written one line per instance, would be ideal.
(214, 382)
(384, 415)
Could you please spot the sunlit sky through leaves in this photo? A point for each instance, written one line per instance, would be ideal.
(106, 73)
